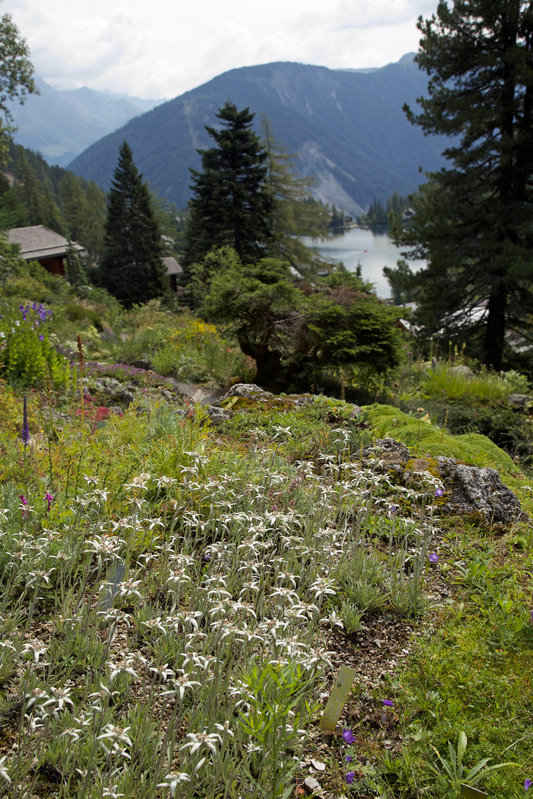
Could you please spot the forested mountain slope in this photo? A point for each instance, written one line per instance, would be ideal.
(347, 127)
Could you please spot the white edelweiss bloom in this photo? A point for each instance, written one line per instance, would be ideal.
(163, 671)
(115, 735)
(173, 779)
(322, 587)
(3, 770)
(122, 668)
(179, 685)
(199, 739)
(60, 698)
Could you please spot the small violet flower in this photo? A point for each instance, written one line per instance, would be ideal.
(348, 758)
(433, 558)
(350, 777)
(348, 736)
(527, 784)
(387, 703)
(48, 498)
(439, 492)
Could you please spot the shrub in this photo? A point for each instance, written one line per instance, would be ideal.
(26, 355)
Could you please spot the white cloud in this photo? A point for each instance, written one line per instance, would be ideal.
(155, 48)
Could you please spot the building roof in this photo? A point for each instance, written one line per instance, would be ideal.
(39, 241)
(172, 266)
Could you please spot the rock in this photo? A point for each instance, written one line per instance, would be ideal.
(312, 786)
(217, 414)
(520, 401)
(141, 363)
(471, 489)
(247, 390)
(388, 451)
(108, 334)
(461, 370)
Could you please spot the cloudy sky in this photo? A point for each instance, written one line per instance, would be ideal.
(162, 48)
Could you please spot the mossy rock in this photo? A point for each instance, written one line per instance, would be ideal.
(427, 439)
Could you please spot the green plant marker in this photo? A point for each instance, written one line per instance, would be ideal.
(336, 701)
(116, 579)
(470, 793)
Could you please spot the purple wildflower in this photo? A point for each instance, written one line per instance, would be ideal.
(387, 703)
(348, 736)
(439, 492)
(48, 498)
(23, 500)
(25, 433)
(350, 777)
(433, 558)
(348, 758)
(527, 784)
(41, 337)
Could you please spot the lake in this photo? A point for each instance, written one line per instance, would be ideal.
(372, 250)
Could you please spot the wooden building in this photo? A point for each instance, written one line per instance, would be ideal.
(39, 243)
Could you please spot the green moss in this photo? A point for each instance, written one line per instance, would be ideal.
(426, 438)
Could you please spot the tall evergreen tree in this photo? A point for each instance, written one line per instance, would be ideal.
(473, 220)
(132, 268)
(231, 203)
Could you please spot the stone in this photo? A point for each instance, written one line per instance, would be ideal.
(520, 401)
(312, 786)
(387, 450)
(461, 370)
(478, 490)
(248, 391)
(142, 363)
(217, 415)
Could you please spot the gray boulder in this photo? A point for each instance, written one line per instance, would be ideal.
(471, 489)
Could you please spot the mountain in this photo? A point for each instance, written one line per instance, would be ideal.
(61, 124)
(347, 128)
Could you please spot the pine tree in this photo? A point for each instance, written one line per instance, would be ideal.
(231, 203)
(473, 219)
(132, 268)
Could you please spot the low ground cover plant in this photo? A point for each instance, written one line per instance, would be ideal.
(177, 597)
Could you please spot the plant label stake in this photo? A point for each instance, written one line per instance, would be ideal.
(116, 579)
(337, 698)
(471, 793)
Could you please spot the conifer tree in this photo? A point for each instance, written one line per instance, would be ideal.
(132, 268)
(473, 219)
(231, 203)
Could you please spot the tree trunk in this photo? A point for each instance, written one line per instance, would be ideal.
(495, 330)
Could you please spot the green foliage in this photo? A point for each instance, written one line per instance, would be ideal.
(232, 202)
(16, 75)
(471, 448)
(402, 281)
(294, 212)
(26, 356)
(470, 220)
(132, 269)
(293, 330)
(455, 770)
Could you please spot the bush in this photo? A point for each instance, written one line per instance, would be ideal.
(26, 355)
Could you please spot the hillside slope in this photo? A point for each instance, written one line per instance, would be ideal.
(347, 127)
